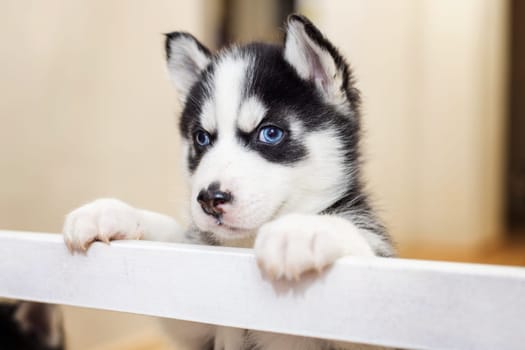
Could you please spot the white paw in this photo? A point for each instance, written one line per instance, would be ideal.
(295, 244)
(102, 220)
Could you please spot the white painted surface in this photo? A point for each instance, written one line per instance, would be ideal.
(393, 302)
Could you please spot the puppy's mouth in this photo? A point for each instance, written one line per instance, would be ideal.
(224, 225)
(228, 222)
(221, 225)
(228, 233)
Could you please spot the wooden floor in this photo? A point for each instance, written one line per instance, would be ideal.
(511, 252)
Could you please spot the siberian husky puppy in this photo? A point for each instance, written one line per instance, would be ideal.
(271, 144)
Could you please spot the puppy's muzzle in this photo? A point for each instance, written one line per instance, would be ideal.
(212, 199)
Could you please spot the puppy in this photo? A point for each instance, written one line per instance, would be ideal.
(271, 143)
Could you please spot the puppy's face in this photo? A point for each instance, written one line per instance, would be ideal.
(266, 130)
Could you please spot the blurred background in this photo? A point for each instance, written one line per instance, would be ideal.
(87, 111)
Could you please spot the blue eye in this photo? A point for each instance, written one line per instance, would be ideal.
(271, 135)
(202, 138)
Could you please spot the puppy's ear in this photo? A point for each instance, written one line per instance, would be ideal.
(187, 58)
(315, 59)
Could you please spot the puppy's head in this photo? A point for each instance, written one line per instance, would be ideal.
(266, 130)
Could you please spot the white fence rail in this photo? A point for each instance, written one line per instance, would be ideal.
(391, 302)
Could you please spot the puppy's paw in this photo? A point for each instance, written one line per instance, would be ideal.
(295, 244)
(102, 220)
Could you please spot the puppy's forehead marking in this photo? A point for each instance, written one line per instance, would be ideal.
(251, 113)
(207, 119)
(229, 81)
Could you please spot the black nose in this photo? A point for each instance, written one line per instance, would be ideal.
(210, 199)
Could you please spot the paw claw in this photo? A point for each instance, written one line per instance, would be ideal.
(272, 274)
(102, 220)
(69, 246)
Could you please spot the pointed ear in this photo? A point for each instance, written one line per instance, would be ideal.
(186, 58)
(315, 59)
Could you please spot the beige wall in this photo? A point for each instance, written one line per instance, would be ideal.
(432, 74)
(86, 111)
(86, 107)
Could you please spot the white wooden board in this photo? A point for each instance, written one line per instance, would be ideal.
(392, 302)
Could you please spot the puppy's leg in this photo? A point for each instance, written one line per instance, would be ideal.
(297, 243)
(110, 219)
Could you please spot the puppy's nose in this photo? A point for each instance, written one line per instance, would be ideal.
(210, 200)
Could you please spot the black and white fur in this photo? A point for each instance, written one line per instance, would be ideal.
(298, 202)
(28, 325)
